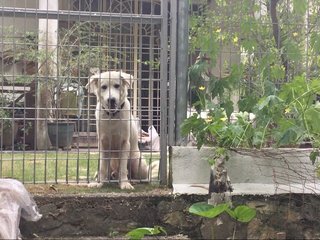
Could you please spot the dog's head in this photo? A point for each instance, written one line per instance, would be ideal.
(111, 88)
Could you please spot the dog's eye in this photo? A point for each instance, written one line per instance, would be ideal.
(104, 87)
(116, 85)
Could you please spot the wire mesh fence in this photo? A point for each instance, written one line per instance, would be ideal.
(49, 49)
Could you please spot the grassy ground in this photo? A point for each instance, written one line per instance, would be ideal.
(49, 166)
(53, 166)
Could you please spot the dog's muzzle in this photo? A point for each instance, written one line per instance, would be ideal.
(112, 107)
(112, 104)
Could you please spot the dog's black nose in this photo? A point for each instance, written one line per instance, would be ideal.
(111, 101)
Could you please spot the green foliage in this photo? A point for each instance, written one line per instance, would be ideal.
(241, 213)
(264, 59)
(284, 119)
(5, 112)
(276, 78)
(83, 45)
(313, 155)
(139, 233)
(206, 210)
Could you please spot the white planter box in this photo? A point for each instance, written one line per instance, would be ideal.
(267, 171)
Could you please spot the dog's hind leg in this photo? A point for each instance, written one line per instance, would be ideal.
(138, 168)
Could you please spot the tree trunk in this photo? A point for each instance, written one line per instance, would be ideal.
(277, 35)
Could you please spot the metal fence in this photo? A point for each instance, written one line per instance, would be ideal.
(49, 49)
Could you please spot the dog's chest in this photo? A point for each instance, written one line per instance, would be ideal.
(113, 134)
(113, 127)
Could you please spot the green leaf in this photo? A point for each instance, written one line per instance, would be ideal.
(228, 107)
(249, 44)
(269, 101)
(292, 50)
(217, 87)
(244, 213)
(193, 123)
(231, 213)
(139, 233)
(277, 72)
(289, 136)
(315, 85)
(311, 114)
(315, 42)
(300, 6)
(247, 103)
(206, 210)
(313, 156)
(258, 138)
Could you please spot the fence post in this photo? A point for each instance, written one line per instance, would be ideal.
(182, 66)
(173, 72)
(164, 93)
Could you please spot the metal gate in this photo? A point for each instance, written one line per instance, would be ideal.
(48, 51)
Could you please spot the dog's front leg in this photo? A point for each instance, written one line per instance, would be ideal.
(123, 178)
(104, 166)
(103, 171)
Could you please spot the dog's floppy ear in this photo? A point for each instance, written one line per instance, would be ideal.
(92, 84)
(126, 78)
(94, 71)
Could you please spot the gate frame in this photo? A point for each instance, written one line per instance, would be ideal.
(162, 19)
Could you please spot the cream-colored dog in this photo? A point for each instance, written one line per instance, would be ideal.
(116, 129)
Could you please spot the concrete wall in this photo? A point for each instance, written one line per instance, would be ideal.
(266, 171)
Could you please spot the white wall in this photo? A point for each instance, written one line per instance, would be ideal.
(12, 27)
(20, 24)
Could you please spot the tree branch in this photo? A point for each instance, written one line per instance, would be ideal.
(275, 22)
(277, 34)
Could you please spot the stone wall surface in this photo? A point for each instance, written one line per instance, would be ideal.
(291, 216)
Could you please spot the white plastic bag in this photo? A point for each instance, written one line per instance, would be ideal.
(154, 138)
(15, 201)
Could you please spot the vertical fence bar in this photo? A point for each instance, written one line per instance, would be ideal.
(163, 92)
(173, 72)
(182, 66)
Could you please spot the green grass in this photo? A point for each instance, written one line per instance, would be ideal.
(49, 166)
(53, 166)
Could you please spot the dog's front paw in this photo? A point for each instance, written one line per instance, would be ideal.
(126, 185)
(95, 185)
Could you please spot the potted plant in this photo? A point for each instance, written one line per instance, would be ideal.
(67, 100)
